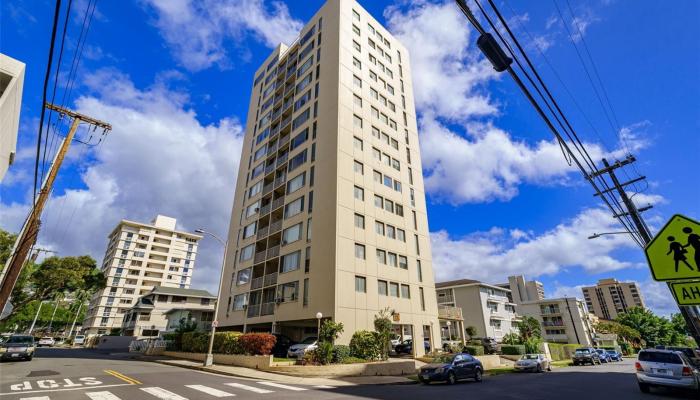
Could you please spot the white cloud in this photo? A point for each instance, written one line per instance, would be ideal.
(567, 291)
(658, 297)
(158, 159)
(494, 255)
(201, 32)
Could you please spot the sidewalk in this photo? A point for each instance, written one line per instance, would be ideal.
(255, 374)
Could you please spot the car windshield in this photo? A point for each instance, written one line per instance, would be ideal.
(21, 339)
(685, 350)
(582, 351)
(660, 357)
(46, 338)
(600, 351)
(529, 357)
(611, 352)
(309, 340)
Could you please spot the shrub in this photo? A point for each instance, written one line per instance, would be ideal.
(340, 353)
(354, 360)
(511, 338)
(364, 344)
(323, 354)
(532, 345)
(559, 351)
(383, 327)
(474, 350)
(513, 349)
(195, 342)
(227, 343)
(257, 343)
(330, 331)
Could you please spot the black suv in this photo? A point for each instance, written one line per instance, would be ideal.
(282, 344)
(586, 355)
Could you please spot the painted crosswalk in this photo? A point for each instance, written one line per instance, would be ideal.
(236, 388)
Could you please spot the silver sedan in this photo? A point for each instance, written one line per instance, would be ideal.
(533, 363)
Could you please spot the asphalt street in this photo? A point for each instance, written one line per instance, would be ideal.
(71, 374)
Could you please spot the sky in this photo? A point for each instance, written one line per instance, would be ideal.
(174, 79)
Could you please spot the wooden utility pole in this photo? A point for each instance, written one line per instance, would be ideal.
(28, 235)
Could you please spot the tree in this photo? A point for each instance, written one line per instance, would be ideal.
(511, 338)
(529, 327)
(7, 240)
(383, 326)
(625, 333)
(653, 329)
(330, 331)
(470, 331)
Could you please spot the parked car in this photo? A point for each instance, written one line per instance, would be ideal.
(17, 347)
(407, 347)
(586, 355)
(282, 345)
(396, 339)
(298, 350)
(533, 363)
(604, 356)
(490, 345)
(450, 368)
(688, 352)
(79, 340)
(665, 368)
(46, 341)
(614, 355)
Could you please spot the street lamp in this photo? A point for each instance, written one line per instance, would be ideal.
(449, 334)
(209, 359)
(319, 315)
(597, 235)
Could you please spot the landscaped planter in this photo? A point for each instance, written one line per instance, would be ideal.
(392, 368)
(239, 360)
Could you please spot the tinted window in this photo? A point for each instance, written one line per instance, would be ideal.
(21, 339)
(653, 356)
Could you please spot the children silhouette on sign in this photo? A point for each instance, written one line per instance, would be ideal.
(694, 242)
(678, 252)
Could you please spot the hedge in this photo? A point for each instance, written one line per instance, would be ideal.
(513, 349)
(474, 350)
(560, 351)
(228, 343)
(195, 342)
(365, 345)
(340, 353)
(257, 343)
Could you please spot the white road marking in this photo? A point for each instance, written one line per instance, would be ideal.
(281, 386)
(210, 390)
(101, 396)
(249, 388)
(324, 387)
(162, 393)
(35, 398)
(64, 390)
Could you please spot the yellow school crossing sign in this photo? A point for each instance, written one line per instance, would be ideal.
(674, 254)
(686, 293)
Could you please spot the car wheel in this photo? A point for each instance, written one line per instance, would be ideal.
(477, 375)
(549, 368)
(30, 358)
(451, 378)
(644, 387)
(539, 368)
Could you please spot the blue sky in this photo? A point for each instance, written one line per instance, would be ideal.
(174, 80)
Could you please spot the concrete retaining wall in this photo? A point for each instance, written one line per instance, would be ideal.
(239, 360)
(114, 342)
(392, 368)
(489, 361)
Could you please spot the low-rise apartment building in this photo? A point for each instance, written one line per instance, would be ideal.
(11, 87)
(161, 310)
(485, 307)
(611, 297)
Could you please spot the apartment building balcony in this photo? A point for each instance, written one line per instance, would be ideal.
(280, 180)
(273, 251)
(553, 324)
(287, 105)
(550, 311)
(269, 168)
(259, 257)
(449, 312)
(283, 158)
(270, 279)
(446, 299)
(277, 203)
(264, 210)
(289, 89)
(272, 148)
(253, 310)
(284, 140)
(257, 283)
(262, 232)
(268, 188)
(267, 309)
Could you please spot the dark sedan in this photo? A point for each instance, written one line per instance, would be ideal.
(17, 347)
(450, 368)
(407, 347)
(614, 355)
(282, 344)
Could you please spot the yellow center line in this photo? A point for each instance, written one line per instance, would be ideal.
(122, 377)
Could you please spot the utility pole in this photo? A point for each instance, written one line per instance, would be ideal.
(689, 313)
(28, 235)
(80, 306)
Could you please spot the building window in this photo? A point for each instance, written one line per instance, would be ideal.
(401, 235)
(403, 262)
(382, 288)
(381, 256)
(359, 168)
(405, 291)
(288, 292)
(357, 121)
(359, 193)
(249, 230)
(422, 299)
(393, 289)
(379, 228)
(391, 259)
(360, 284)
(357, 100)
(356, 46)
(356, 63)
(296, 161)
(359, 251)
(291, 261)
(419, 267)
(417, 244)
(296, 183)
(378, 201)
(355, 15)
(294, 208)
(359, 221)
(291, 234)
(306, 292)
(357, 81)
(240, 301)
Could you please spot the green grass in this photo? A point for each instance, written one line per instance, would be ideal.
(562, 363)
(283, 359)
(499, 371)
(354, 360)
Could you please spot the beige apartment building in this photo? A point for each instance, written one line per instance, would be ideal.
(485, 307)
(329, 214)
(610, 297)
(140, 257)
(11, 87)
(521, 290)
(161, 309)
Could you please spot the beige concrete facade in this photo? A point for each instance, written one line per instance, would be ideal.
(610, 297)
(140, 257)
(11, 87)
(485, 307)
(161, 309)
(563, 320)
(329, 214)
(522, 290)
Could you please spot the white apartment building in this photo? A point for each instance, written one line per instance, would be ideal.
(161, 309)
(485, 307)
(521, 290)
(11, 87)
(331, 147)
(611, 297)
(140, 257)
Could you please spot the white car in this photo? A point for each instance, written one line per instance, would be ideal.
(298, 350)
(397, 340)
(46, 341)
(79, 340)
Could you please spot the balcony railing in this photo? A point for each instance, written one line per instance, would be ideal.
(288, 89)
(268, 188)
(553, 323)
(273, 251)
(269, 168)
(280, 181)
(256, 283)
(262, 232)
(286, 122)
(271, 148)
(284, 140)
(550, 311)
(267, 309)
(449, 312)
(275, 227)
(253, 310)
(259, 257)
(282, 159)
(270, 279)
(277, 203)
(265, 209)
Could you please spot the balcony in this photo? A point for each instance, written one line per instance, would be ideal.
(256, 283)
(449, 312)
(273, 252)
(265, 209)
(553, 323)
(270, 279)
(288, 89)
(286, 122)
(267, 309)
(549, 311)
(271, 148)
(280, 181)
(259, 257)
(253, 310)
(268, 188)
(284, 140)
(275, 227)
(277, 203)
(269, 168)
(283, 158)
(262, 232)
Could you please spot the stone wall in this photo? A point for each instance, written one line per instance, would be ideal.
(392, 368)
(239, 360)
